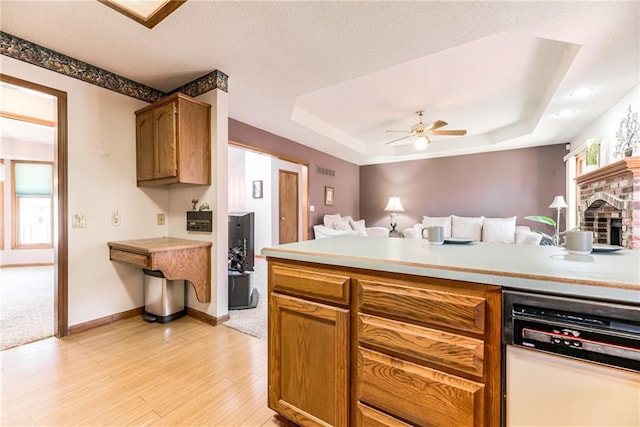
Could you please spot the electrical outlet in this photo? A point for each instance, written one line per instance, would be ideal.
(78, 221)
(115, 218)
(161, 219)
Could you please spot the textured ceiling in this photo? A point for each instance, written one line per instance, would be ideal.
(336, 75)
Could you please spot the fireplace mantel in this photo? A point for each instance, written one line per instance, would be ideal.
(628, 164)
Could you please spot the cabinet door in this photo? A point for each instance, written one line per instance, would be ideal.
(308, 361)
(165, 161)
(145, 142)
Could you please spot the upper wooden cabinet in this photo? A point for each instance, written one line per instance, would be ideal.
(173, 142)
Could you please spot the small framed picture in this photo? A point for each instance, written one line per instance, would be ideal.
(257, 189)
(328, 196)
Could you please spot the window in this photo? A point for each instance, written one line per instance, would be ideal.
(33, 204)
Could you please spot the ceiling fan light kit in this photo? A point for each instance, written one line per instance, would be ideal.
(422, 131)
(421, 143)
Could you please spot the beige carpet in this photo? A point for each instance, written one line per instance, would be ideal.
(26, 305)
(253, 321)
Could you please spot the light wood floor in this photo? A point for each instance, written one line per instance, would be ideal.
(131, 372)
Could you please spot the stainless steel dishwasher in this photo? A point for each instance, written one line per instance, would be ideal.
(570, 362)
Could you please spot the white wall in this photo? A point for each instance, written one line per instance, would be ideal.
(237, 181)
(102, 178)
(607, 125)
(259, 168)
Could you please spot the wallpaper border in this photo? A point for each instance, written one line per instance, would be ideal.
(26, 51)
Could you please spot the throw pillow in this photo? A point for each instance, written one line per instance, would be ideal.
(499, 230)
(466, 227)
(358, 225)
(342, 226)
(330, 220)
(434, 221)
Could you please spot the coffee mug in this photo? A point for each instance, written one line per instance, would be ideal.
(579, 242)
(436, 235)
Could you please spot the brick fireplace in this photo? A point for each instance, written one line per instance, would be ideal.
(609, 203)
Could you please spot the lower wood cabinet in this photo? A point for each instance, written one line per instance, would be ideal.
(308, 361)
(351, 347)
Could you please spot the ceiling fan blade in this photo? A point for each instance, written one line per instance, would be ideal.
(403, 131)
(449, 132)
(396, 140)
(435, 125)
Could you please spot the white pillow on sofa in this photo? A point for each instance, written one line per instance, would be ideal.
(342, 225)
(434, 221)
(358, 225)
(466, 227)
(499, 230)
(330, 220)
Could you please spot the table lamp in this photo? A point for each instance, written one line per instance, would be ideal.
(394, 206)
(558, 203)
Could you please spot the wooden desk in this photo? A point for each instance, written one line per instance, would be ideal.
(177, 259)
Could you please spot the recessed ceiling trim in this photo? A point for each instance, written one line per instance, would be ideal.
(149, 20)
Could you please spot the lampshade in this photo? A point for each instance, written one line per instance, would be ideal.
(394, 205)
(421, 143)
(558, 203)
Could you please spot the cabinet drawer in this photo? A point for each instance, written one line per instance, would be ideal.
(316, 284)
(420, 395)
(129, 257)
(462, 312)
(429, 345)
(369, 417)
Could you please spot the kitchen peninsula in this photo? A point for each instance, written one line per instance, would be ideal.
(377, 331)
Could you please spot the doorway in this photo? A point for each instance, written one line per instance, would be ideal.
(288, 206)
(249, 165)
(59, 197)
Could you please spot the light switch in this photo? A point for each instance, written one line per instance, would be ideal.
(115, 218)
(78, 221)
(312, 208)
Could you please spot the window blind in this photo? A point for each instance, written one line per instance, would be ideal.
(33, 179)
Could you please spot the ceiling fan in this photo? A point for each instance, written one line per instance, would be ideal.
(421, 131)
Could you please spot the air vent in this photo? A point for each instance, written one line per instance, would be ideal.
(325, 171)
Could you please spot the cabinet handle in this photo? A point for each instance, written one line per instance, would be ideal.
(281, 218)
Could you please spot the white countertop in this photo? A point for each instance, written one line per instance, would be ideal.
(612, 276)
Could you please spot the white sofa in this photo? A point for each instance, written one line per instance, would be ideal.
(336, 225)
(479, 229)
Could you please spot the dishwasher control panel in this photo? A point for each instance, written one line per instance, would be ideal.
(593, 331)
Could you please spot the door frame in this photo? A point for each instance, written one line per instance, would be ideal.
(60, 212)
(305, 188)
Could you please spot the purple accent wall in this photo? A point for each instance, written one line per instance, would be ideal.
(498, 184)
(346, 182)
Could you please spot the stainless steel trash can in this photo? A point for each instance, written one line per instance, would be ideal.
(163, 298)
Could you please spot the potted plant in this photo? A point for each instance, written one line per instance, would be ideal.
(547, 239)
(628, 135)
